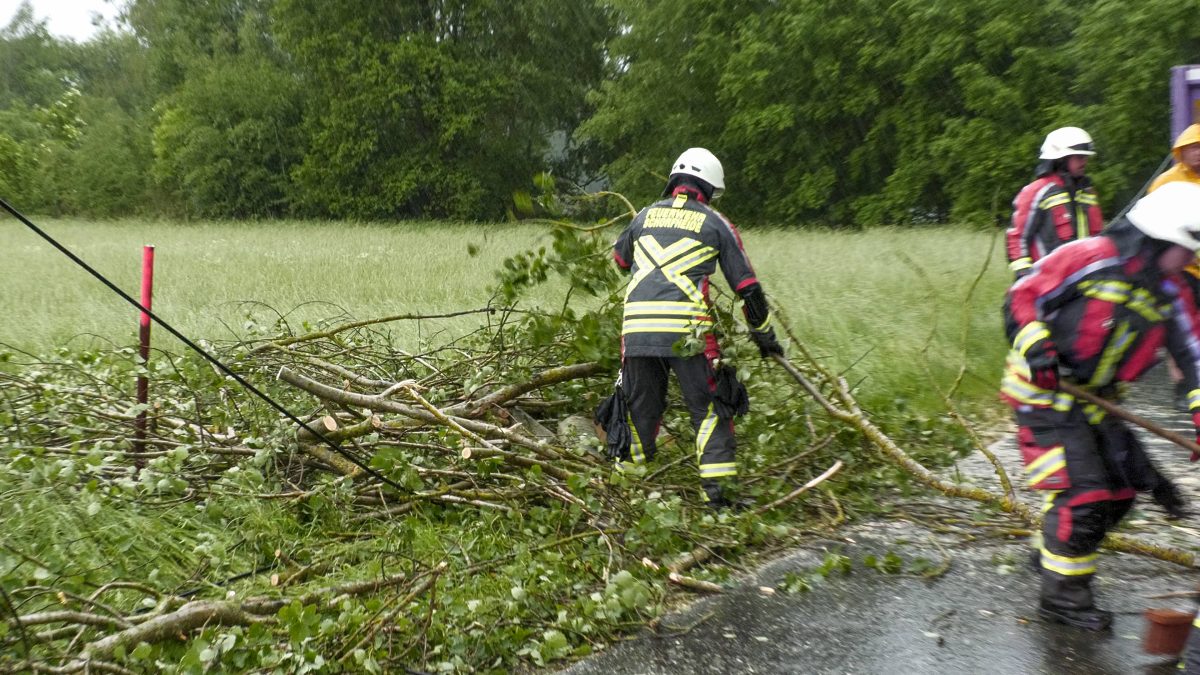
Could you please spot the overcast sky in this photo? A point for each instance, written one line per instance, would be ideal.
(66, 18)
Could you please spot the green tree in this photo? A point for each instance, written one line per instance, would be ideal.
(227, 140)
(225, 135)
(1124, 54)
(659, 95)
(434, 108)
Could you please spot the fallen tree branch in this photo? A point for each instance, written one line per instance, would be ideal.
(187, 618)
(837, 466)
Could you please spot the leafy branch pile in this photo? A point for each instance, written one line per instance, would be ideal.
(500, 538)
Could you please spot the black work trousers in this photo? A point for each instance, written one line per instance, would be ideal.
(1091, 466)
(644, 380)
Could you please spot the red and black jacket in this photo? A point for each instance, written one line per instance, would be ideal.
(1107, 311)
(1047, 213)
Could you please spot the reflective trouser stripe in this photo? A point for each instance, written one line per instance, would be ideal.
(703, 436)
(1193, 399)
(718, 470)
(1068, 566)
(1043, 467)
(636, 451)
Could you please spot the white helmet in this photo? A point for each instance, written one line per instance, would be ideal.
(1065, 142)
(1171, 213)
(702, 164)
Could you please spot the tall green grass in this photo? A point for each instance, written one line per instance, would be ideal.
(204, 271)
(889, 305)
(893, 307)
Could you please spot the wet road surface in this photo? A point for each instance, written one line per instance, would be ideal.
(977, 617)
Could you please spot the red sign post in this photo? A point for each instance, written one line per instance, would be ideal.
(143, 383)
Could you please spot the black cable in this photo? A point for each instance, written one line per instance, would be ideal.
(182, 338)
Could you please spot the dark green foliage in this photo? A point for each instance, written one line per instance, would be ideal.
(851, 113)
(905, 112)
(435, 109)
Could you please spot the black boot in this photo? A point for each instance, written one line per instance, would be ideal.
(718, 497)
(714, 496)
(1168, 496)
(1087, 619)
(1068, 600)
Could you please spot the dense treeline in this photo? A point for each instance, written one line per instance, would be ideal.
(849, 112)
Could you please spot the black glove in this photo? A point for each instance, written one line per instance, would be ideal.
(730, 399)
(767, 344)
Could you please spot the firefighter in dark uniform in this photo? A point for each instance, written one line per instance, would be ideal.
(1059, 206)
(671, 248)
(1095, 312)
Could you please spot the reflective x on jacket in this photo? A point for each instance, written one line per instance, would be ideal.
(1045, 217)
(671, 247)
(1107, 315)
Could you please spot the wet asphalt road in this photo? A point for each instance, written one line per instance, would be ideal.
(978, 617)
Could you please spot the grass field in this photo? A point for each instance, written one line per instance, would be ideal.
(899, 311)
(888, 302)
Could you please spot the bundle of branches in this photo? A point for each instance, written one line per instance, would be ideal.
(466, 520)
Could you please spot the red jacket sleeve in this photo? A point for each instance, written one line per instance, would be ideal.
(1024, 227)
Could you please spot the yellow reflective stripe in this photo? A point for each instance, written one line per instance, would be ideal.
(1085, 198)
(1143, 303)
(1052, 455)
(705, 432)
(1031, 333)
(663, 255)
(1054, 200)
(1047, 472)
(695, 258)
(1068, 566)
(691, 310)
(1107, 296)
(636, 450)
(661, 326)
(1081, 223)
(1196, 623)
(675, 271)
(687, 250)
(1026, 393)
(1049, 503)
(1108, 284)
(718, 470)
(1194, 399)
(764, 325)
(1063, 401)
(680, 200)
(1095, 414)
(667, 305)
(642, 266)
(1121, 341)
(1020, 264)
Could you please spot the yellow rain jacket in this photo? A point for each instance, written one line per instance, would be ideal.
(1181, 171)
